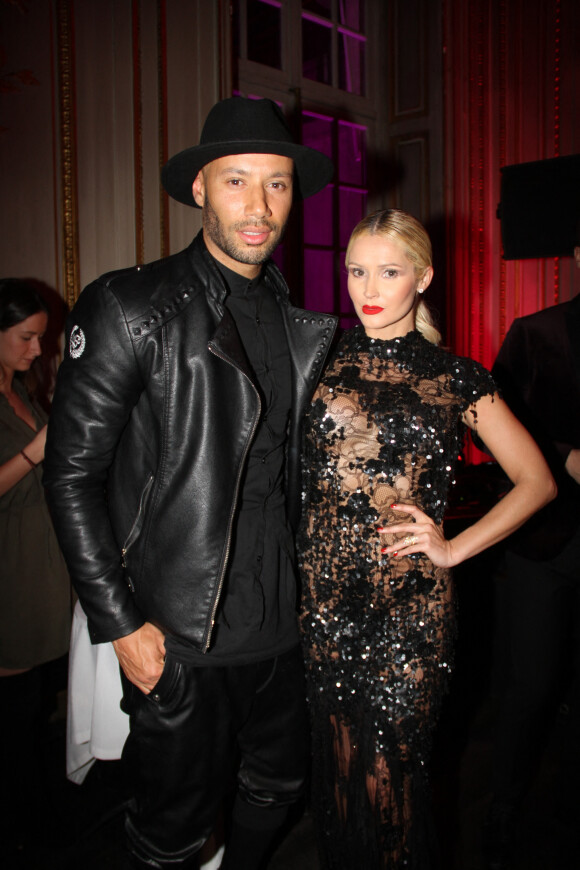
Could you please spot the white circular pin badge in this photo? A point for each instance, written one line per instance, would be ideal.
(77, 342)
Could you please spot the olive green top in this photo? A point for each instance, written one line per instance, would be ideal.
(35, 592)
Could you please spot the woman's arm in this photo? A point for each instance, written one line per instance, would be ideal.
(16, 468)
(521, 459)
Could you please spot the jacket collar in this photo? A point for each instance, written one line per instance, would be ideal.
(216, 286)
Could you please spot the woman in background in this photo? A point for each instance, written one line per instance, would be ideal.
(381, 439)
(35, 596)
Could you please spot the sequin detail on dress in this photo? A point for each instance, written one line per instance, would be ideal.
(384, 427)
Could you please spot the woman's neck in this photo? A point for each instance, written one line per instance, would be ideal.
(6, 378)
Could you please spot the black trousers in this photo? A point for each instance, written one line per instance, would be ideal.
(539, 622)
(197, 730)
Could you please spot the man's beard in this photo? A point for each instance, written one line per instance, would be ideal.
(249, 255)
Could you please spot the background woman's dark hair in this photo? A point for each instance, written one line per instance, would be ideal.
(18, 300)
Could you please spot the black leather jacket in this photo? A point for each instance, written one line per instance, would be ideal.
(153, 416)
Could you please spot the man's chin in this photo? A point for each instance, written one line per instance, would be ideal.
(255, 255)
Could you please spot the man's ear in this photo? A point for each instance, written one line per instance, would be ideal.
(198, 189)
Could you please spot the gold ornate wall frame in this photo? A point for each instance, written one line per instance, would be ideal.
(138, 132)
(68, 150)
(162, 130)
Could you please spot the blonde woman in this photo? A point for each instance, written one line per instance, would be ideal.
(382, 435)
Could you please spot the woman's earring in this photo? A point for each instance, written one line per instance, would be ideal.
(420, 290)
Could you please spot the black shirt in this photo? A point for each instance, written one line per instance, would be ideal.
(256, 618)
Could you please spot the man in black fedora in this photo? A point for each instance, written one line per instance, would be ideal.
(171, 471)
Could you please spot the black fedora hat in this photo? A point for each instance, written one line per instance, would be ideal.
(239, 125)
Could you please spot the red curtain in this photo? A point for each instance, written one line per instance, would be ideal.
(512, 93)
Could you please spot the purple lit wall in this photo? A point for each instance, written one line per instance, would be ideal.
(333, 55)
(330, 216)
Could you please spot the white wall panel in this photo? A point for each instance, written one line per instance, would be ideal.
(97, 120)
(29, 239)
(104, 137)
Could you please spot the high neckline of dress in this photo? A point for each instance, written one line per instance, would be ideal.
(358, 340)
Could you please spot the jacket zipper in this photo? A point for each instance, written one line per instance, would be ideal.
(236, 491)
(130, 539)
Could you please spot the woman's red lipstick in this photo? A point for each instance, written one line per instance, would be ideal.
(371, 309)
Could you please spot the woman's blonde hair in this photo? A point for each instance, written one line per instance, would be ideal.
(404, 230)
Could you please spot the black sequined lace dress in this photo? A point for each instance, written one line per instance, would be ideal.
(384, 427)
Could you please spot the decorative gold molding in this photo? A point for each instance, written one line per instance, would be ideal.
(68, 155)
(163, 135)
(138, 133)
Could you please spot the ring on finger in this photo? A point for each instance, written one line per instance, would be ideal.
(410, 539)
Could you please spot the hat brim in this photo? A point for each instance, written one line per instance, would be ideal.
(314, 170)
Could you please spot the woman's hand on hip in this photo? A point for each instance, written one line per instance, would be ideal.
(421, 535)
